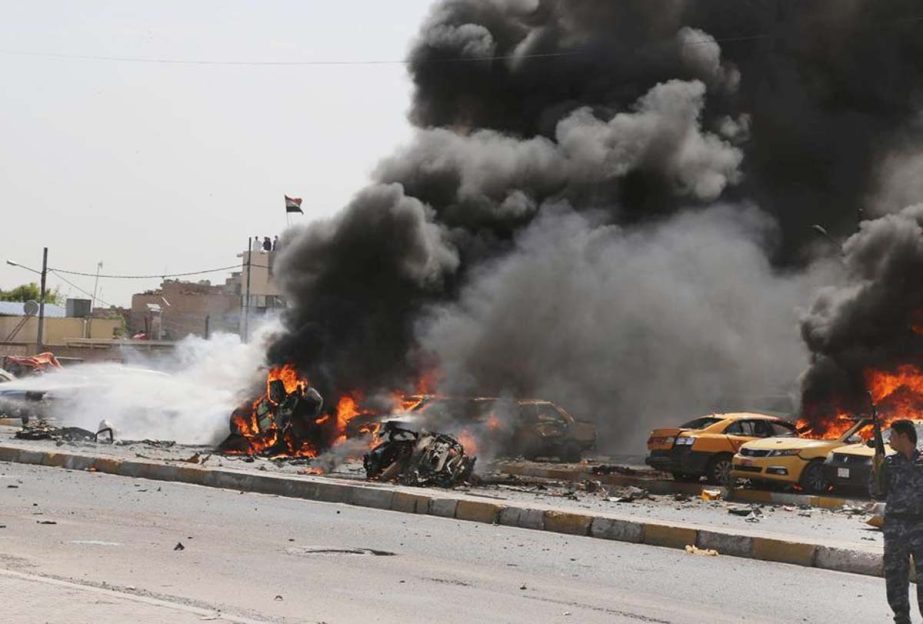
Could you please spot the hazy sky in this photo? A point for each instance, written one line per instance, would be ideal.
(163, 168)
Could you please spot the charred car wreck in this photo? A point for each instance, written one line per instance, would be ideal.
(417, 458)
(286, 421)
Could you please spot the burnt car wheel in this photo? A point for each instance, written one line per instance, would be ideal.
(719, 469)
(570, 453)
(812, 478)
(685, 477)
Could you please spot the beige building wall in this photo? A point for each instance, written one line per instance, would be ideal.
(59, 331)
(265, 296)
(185, 308)
(261, 282)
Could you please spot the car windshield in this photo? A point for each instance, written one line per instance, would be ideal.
(701, 423)
(784, 430)
(861, 434)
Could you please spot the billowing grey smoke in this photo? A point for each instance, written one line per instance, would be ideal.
(548, 229)
(631, 327)
(486, 179)
(869, 322)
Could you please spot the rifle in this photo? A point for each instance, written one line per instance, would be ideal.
(879, 439)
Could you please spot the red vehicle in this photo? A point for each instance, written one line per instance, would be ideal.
(25, 365)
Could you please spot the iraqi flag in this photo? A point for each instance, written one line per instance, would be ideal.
(293, 204)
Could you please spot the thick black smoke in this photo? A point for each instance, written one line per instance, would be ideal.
(549, 230)
(357, 283)
(873, 321)
(828, 86)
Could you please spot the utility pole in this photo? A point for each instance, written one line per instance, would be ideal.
(40, 338)
(99, 266)
(246, 332)
(89, 331)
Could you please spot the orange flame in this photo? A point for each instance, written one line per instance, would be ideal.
(468, 441)
(256, 421)
(289, 377)
(897, 394)
(901, 390)
(827, 428)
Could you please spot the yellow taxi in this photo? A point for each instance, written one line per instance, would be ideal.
(848, 467)
(705, 446)
(794, 461)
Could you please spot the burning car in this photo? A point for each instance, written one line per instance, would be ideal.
(705, 446)
(284, 421)
(793, 461)
(527, 427)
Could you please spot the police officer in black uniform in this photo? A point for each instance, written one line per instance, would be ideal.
(899, 480)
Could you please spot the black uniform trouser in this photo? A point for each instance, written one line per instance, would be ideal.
(903, 539)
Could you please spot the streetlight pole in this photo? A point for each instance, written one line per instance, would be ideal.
(40, 338)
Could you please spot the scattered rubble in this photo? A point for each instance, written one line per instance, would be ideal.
(43, 430)
(628, 494)
(752, 513)
(607, 469)
(705, 552)
(591, 486)
(417, 458)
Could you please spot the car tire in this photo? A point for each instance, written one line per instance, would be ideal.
(570, 454)
(685, 477)
(719, 469)
(812, 478)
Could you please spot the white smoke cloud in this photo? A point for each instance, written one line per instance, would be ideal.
(702, 54)
(187, 397)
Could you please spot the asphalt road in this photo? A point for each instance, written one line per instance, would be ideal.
(252, 558)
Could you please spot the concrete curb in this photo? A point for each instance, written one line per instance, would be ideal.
(669, 486)
(469, 508)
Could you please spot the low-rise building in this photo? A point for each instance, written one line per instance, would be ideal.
(178, 309)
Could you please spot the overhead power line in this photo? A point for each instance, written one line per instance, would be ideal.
(78, 288)
(159, 275)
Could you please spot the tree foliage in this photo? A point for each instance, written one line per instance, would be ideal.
(27, 292)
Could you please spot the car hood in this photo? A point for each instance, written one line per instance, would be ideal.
(860, 450)
(786, 444)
